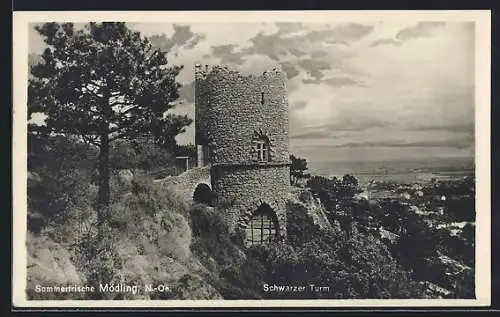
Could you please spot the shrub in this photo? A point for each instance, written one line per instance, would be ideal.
(96, 255)
(142, 154)
(211, 236)
(300, 227)
(244, 281)
(59, 178)
(465, 285)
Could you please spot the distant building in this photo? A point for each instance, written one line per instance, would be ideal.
(440, 211)
(417, 187)
(405, 195)
(433, 290)
(184, 163)
(365, 195)
(415, 209)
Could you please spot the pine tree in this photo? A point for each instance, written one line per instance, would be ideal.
(103, 83)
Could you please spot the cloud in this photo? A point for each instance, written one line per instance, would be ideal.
(341, 82)
(359, 122)
(343, 32)
(194, 41)
(457, 127)
(290, 70)
(314, 67)
(296, 52)
(343, 126)
(421, 29)
(318, 54)
(311, 135)
(334, 81)
(458, 143)
(287, 41)
(219, 50)
(298, 105)
(288, 27)
(226, 54)
(186, 92)
(415, 92)
(385, 42)
(330, 42)
(182, 37)
(355, 31)
(268, 45)
(161, 42)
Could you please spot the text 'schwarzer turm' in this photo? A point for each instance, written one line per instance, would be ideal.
(242, 133)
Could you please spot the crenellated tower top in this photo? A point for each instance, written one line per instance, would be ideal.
(203, 72)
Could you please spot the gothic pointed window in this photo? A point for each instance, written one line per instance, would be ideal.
(262, 227)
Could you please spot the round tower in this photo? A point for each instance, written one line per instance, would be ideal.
(242, 133)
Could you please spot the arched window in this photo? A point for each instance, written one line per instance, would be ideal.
(262, 227)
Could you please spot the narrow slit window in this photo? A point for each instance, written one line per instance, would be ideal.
(262, 98)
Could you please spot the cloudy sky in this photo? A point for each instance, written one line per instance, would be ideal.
(357, 90)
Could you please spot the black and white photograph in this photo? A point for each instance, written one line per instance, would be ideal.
(214, 157)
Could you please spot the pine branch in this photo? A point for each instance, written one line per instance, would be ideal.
(119, 103)
(88, 139)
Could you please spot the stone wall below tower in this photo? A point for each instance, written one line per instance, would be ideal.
(243, 188)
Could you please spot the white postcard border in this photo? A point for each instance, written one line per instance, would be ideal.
(482, 18)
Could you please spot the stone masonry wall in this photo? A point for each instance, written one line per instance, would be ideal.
(185, 183)
(245, 188)
(231, 110)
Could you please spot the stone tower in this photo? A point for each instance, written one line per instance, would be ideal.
(242, 133)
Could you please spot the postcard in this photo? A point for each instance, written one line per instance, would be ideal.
(251, 159)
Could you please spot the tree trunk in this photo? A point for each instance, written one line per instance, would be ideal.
(104, 173)
(104, 178)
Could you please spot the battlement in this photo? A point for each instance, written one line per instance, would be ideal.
(204, 72)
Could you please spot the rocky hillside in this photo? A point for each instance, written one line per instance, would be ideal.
(151, 234)
(158, 234)
(312, 207)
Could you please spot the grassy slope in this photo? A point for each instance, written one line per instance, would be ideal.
(152, 239)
